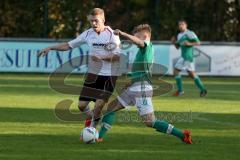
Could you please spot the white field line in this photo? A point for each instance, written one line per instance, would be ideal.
(196, 116)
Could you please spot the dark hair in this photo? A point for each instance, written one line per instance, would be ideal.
(183, 20)
(142, 27)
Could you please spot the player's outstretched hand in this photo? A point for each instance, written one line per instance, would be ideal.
(117, 32)
(96, 58)
(43, 52)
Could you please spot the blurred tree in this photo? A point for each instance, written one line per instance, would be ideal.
(21, 18)
(68, 18)
(215, 20)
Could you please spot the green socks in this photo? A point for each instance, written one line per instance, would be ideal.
(107, 121)
(164, 127)
(199, 83)
(177, 132)
(179, 83)
(160, 126)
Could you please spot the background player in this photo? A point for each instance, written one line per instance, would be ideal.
(102, 67)
(186, 40)
(139, 91)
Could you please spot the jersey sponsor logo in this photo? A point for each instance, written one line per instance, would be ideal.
(99, 45)
(106, 46)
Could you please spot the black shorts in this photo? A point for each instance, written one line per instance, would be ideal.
(97, 87)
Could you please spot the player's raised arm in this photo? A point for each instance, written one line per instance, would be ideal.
(59, 47)
(140, 43)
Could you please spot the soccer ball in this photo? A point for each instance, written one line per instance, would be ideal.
(89, 135)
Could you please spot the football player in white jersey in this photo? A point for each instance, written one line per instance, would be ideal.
(103, 66)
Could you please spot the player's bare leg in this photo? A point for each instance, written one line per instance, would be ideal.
(148, 119)
(162, 126)
(198, 82)
(85, 109)
(178, 79)
(99, 104)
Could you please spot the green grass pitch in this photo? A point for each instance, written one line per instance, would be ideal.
(30, 130)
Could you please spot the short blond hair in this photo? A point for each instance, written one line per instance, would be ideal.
(142, 27)
(97, 11)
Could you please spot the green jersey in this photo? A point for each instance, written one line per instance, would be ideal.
(187, 51)
(141, 68)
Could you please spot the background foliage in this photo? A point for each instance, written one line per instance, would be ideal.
(212, 20)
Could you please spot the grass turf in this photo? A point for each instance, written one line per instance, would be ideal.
(29, 128)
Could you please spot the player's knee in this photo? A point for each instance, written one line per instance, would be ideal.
(148, 119)
(176, 72)
(82, 105)
(191, 74)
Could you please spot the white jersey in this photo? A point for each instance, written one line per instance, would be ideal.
(103, 44)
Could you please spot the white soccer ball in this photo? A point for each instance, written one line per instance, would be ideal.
(89, 135)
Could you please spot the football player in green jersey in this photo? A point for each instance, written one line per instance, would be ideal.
(186, 40)
(139, 91)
